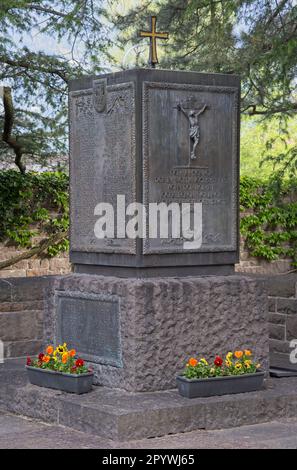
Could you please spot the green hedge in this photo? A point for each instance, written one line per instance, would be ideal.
(38, 202)
(270, 225)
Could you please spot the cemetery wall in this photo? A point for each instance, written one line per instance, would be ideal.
(34, 266)
(282, 317)
(22, 306)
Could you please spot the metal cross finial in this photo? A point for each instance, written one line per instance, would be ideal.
(153, 35)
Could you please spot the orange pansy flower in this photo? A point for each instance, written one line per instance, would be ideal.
(49, 350)
(46, 359)
(247, 352)
(65, 357)
(193, 362)
(72, 353)
(238, 354)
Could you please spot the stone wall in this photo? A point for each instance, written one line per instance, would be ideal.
(250, 265)
(282, 316)
(34, 266)
(22, 305)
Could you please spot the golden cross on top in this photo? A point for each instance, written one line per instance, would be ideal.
(153, 35)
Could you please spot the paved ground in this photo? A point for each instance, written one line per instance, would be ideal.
(23, 433)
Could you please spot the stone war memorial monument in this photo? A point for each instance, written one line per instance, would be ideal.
(138, 307)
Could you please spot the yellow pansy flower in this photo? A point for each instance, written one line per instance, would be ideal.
(204, 361)
(61, 349)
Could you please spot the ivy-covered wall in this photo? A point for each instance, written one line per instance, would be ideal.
(34, 220)
(269, 218)
(34, 215)
(34, 205)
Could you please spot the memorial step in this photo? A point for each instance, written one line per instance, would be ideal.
(120, 415)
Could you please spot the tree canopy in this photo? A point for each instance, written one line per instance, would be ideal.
(43, 44)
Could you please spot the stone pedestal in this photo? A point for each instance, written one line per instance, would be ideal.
(138, 333)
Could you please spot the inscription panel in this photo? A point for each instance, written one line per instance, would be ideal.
(91, 325)
(190, 154)
(102, 160)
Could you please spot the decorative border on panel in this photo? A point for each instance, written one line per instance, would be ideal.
(145, 151)
(83, 247)
(96, 297)
(71, 113)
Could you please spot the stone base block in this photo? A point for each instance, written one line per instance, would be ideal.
(138, 333)
(282, 361)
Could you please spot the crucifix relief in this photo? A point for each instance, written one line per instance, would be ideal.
(194, 129)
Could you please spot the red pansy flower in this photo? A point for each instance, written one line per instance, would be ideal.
(79, 362)
(29, 361)
(218, 361)
(41, 356)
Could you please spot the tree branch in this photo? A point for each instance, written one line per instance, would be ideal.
(36, 250)
(279, 8)
(7, 129)
(24, 63)
(34, 6)
(254, 110)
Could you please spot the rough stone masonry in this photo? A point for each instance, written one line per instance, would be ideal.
(155, 324)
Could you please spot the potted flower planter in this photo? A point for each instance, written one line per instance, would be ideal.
(72, 383)
(60, 369)
(192, 388)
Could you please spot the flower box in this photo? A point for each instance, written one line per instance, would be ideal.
(72, 383)
(60, 369)
(222, 385)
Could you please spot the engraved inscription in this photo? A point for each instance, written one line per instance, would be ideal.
(102, 162)
(91, 324)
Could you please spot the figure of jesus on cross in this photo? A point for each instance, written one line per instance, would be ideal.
(194, 130)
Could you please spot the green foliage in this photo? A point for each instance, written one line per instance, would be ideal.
(262, 143)
(221, 367)
(270, 226)
(32, 204)
(44, 44)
